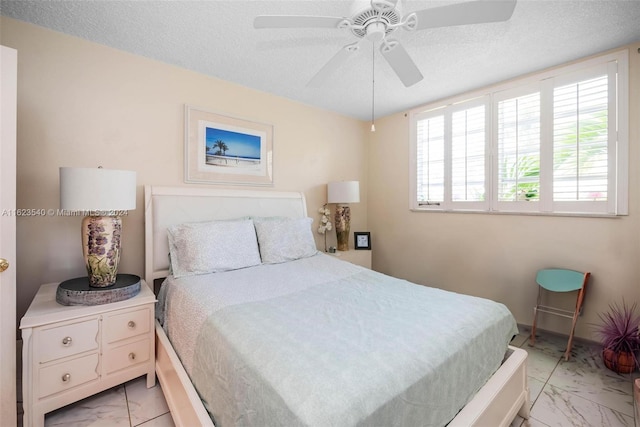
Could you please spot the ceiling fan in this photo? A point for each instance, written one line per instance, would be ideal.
(376, 20)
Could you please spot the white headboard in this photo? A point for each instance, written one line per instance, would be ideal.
(166, 206)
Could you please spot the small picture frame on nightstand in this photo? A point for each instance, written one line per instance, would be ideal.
(362, 240)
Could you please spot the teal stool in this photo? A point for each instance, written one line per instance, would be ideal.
(560, 280)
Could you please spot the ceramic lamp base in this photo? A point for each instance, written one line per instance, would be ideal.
(101, 249)
(342, 221)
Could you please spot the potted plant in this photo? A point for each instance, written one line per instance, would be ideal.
(620, 337)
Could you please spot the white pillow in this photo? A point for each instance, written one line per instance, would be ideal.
(212, 246)
(284, 239)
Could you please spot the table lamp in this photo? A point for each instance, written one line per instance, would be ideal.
(102, 195)
(342, 193)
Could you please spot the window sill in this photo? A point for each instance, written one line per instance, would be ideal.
(558, 214)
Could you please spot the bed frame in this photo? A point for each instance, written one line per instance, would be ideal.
(496, 404)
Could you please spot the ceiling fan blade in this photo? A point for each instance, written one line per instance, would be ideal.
(289, 21)
(333, 64)
(473, 12)
(399, 59)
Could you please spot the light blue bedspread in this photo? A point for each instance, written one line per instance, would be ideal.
(364, 349)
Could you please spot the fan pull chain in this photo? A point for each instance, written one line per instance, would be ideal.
(373, 86)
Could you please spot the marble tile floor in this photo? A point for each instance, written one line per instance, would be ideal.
(580, 392)
(128, 405)
(131, 404)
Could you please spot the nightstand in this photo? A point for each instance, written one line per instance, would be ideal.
(360, 257)
(72, 352)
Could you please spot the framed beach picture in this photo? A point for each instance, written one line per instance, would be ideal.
(222, 149)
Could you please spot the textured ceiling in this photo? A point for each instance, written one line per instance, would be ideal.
(217, 38)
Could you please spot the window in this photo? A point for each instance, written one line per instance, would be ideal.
(555, 143)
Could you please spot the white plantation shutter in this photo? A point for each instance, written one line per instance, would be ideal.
(451, 151)
(468, 151)
(519, 149)
(580, 141)
(430, 160)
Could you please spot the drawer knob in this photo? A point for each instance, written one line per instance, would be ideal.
(66, 341)
(132, 356)
(66, 378)
(131, 324)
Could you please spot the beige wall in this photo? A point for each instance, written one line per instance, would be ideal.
(496, 256)
(82, 104)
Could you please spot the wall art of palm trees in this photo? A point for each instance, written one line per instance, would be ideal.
(231, 149)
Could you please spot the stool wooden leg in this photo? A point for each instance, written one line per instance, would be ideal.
(532, 339)
(579, 302)
(567, 354)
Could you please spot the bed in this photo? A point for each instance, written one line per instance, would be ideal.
(307, 339)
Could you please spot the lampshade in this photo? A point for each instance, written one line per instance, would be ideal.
(97, 189)
(343, 192)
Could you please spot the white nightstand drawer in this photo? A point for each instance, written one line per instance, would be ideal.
(71, 352)
(127, 325)
(66, 375)
(127, 355)
(67, 340)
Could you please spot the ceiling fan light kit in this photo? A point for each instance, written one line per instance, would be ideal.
(375, 32)
(374, 20)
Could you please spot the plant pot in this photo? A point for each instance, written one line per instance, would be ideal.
(622, 362)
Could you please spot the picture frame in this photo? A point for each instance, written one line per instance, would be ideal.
(362, 240)
(221, 149)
